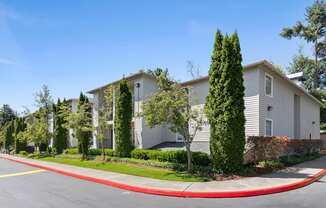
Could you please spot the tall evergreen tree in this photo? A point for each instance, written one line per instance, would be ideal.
(20, 143)
(122, 120)
(60, 132)
(225, 104)
(7, 114)
(213, 103)
(9, 138)
(84, 137)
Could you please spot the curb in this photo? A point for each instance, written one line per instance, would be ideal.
(154, 191)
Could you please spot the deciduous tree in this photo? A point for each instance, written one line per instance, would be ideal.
(171, 106)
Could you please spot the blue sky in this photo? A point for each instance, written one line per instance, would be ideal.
(78, 45)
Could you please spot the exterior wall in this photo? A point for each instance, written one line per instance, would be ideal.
(323, 139)
(310, 122)
(281, 103)
(282, 109)
(251, 99)
(72, 140)
(152, 136)
(143, 136)
(199, 92)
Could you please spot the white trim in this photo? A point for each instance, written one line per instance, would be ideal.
(272, 127)
(272, 84)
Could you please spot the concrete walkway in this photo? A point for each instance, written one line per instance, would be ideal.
(293, 175)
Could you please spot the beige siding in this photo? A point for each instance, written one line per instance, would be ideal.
(152, 136)
(251, 83)
(252, 115)
(310, 121)
(199, 91)
(282, 108)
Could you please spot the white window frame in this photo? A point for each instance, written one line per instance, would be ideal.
(272, 126)
(272, 84)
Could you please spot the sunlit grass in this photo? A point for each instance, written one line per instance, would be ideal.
(131, 169)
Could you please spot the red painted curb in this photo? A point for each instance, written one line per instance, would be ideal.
(154, 191)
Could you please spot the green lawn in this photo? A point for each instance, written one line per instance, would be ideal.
(130, 169)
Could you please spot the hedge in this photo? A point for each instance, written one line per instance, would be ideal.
(175, 156)
(92, 152)
(178, 156)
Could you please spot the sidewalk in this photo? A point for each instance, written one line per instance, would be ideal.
(285, 180)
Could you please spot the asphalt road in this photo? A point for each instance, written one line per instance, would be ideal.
(46, 189)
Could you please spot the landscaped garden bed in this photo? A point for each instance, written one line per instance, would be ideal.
(167, 165)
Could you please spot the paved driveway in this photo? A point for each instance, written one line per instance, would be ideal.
(46, 189)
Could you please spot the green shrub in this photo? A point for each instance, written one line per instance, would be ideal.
(71, 151)
(201, 158)
(296, 159)
(92, 152)
(176, 156)
(39, 155)
(109, 152)
(140, 154)
(271, 164)
(95, 152)
(201, 170)
(24, 153)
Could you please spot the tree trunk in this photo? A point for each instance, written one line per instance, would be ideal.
(315, 72)
(82, 150)
(189, 158)
(103, 151)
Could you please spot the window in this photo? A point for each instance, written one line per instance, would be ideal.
(269, 127)
(268, 85)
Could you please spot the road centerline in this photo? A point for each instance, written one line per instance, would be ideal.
(22, 173)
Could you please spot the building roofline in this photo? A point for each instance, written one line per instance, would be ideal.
(248, 66)
(270, 67)
(130, 77)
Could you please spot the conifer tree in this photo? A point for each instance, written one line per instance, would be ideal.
(20, 142)
(8, 136)
(225, 104)
(213, 103)
(122, 120)
(84, 136)
(60, 132)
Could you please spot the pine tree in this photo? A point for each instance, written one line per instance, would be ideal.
(225, 104)
(122, 120)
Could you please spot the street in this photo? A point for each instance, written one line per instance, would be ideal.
(28, 187)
